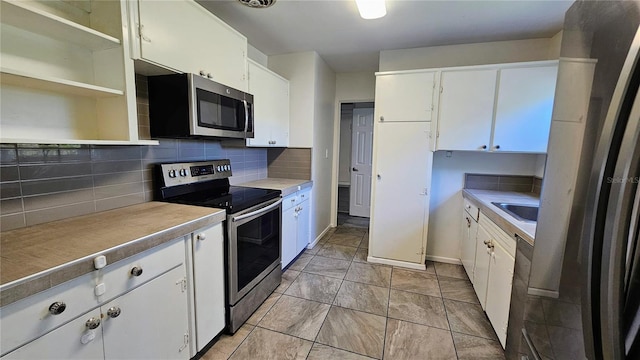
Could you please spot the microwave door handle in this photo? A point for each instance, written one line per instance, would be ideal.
(259, 211)
(246, 117)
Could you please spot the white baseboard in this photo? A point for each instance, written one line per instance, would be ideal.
(543, 292)
(323, 233)
(444, 259)
(405, 264)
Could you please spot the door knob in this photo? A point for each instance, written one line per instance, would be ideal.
(92, 323)
(354, 169)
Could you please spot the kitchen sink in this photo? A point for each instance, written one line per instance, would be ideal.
(519, 211)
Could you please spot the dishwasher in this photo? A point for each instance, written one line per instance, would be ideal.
(470, 217)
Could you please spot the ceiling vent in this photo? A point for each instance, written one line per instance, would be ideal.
(261, 4)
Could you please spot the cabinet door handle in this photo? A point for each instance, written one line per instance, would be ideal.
(201, 236)
(381, 118)
(497, 147)
(92, 323)
(113, 312)
(136, 271)
(57, 308)
(483, 147)
(354, 169)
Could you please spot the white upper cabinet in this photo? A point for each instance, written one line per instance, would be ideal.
(183, 36)
(271, 107)
(502, 107)
(404, 96)
(523, 108)
(466, 109)
(66, 76)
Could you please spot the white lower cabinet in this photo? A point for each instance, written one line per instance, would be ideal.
(149, 322)
(481, 273)
(499, 290)
(208, 283)
(142, 312)
(468, 245)
(296, 224)
(493, 275)
(70, 341)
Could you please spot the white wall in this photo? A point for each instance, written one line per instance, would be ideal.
(540, 164)
(466, 54)
(447, 183)
(312, 88)
(299, 68)
(323, 145)
(350, 87)
(257, 55)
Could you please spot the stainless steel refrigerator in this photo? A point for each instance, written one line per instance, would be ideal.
(576, 293)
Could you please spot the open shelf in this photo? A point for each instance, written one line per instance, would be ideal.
(23, 79)
(21, 15)
(77, 141)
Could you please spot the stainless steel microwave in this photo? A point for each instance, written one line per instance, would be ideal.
(189, 105)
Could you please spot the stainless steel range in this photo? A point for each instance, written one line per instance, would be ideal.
(253, 229)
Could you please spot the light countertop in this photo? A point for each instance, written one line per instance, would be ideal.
(512, 226)
(286, 186)
(39, 257)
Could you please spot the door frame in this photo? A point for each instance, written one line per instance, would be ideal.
(336, 154)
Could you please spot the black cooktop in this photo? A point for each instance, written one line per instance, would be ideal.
(232, 198)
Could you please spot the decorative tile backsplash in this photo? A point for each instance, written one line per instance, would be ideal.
(519, 183)
(290, 163)
(42, 183)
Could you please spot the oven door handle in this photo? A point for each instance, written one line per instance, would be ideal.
(257, 212)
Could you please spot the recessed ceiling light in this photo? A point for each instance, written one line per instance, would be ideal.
(371, 9)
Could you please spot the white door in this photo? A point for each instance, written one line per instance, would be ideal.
(499, 290)
(402, 173)
(481, 272)
(523, 109)
(153, 321)
(361, 153)
(65, 342)
(208, 277)
(405, 97)
(466, 109)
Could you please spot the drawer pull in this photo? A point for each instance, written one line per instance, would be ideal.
(136, 271)
(113, 312)
(93, 323)
(57, 308)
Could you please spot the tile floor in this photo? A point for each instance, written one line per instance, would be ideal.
(332, 304)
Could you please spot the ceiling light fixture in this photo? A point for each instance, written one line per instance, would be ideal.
(371, 9)
(258, 4)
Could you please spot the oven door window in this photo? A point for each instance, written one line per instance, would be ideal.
(219, 112)
(258, 246)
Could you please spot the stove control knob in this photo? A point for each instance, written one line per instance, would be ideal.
(183, 172)
(172, 173)
(219, 168)
(228, 167)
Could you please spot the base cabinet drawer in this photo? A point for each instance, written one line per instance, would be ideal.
(71, 341)
(30, 318)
